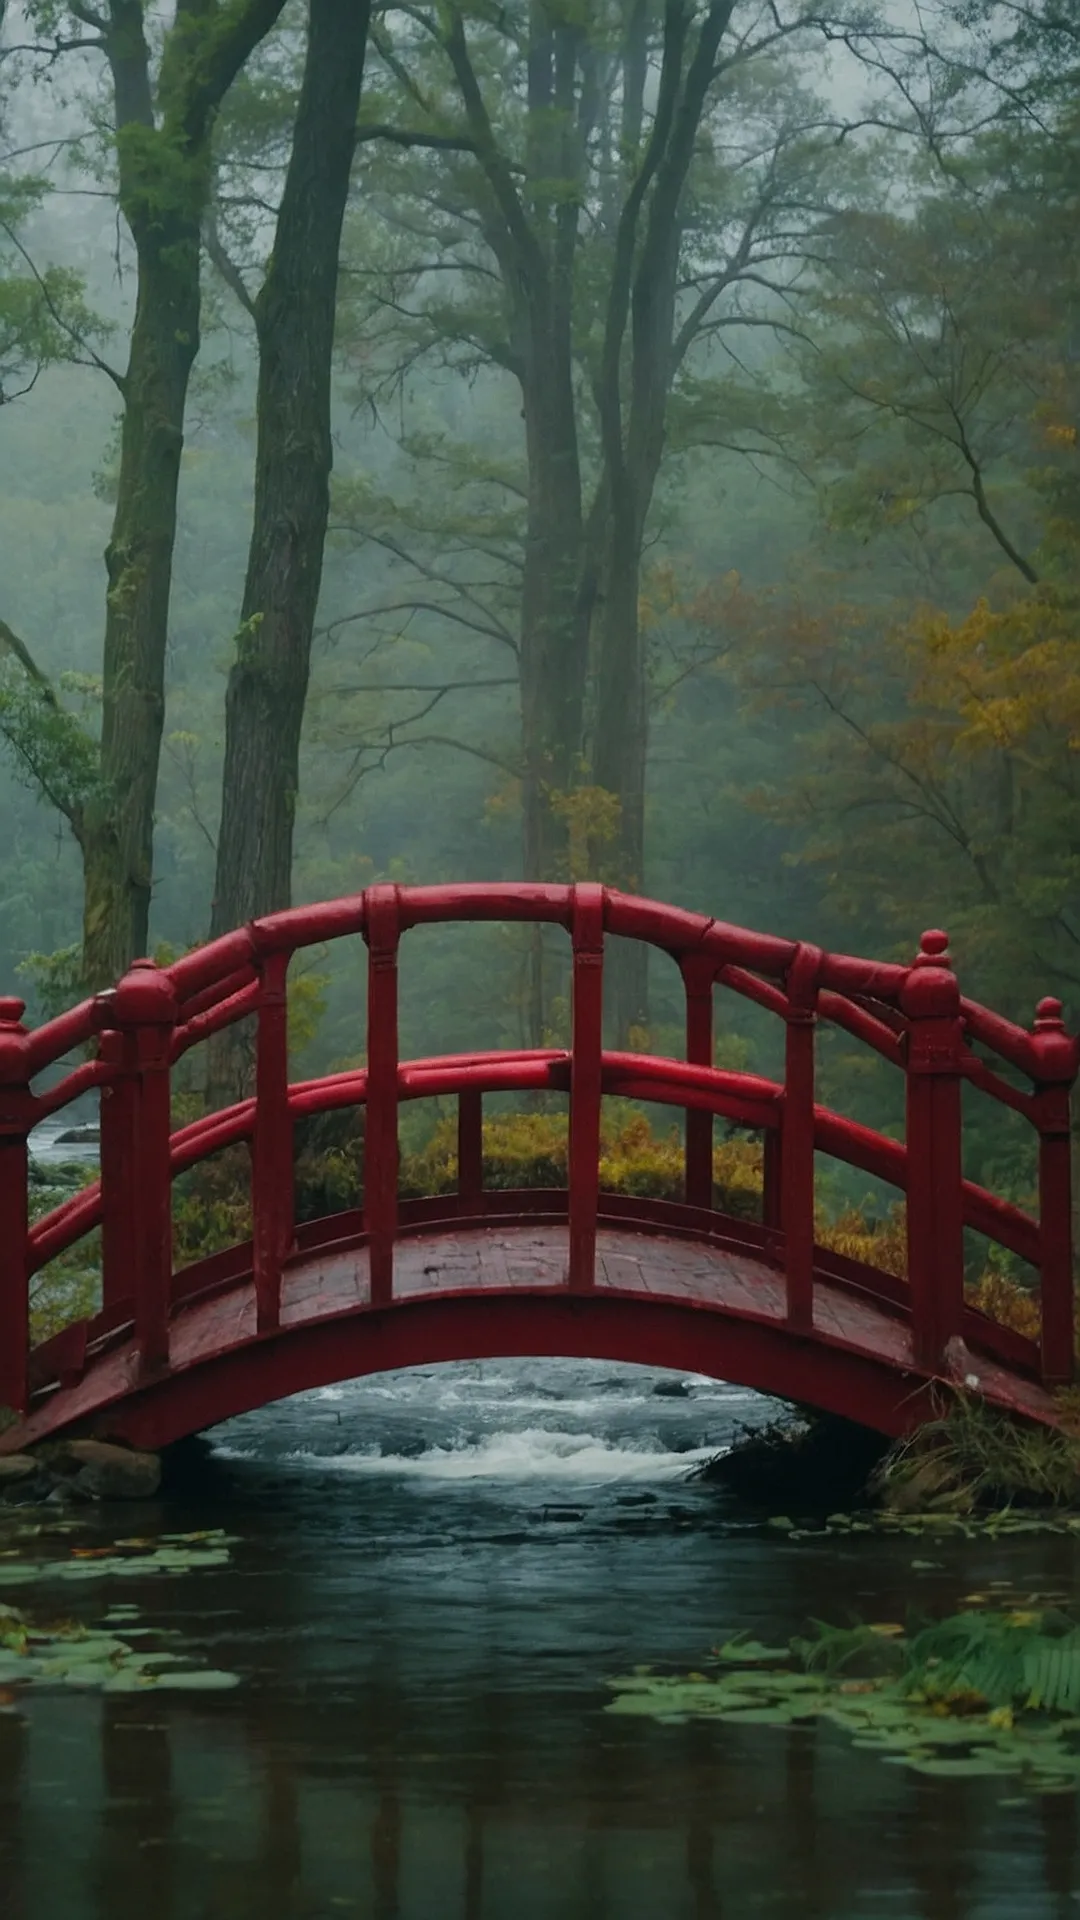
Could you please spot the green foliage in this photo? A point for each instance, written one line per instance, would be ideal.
(991, 1694)
(69, 1288)
(1021, 1659)
(52, 750)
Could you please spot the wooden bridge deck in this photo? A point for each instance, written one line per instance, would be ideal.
(500, 1290)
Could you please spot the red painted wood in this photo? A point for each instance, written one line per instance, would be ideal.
(15, 1121)
(798, 1132)
(772, 1148)
(935, 1184)
(470, 1150)
(1055, 1065)
(495, 1291)
(144, 1008)
(586, 1081)
(272, 1143)
(911, 1015)
(119, 1118)
(382, 933)
(698, 971)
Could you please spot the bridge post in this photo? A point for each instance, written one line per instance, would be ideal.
(470, 1142)
(586, 1082)
(698, 972)
(930, 998)
(16, 1118)
(382, 934)
(144, 1011)
(797, 1137)
(119, 1124)
(272, 1143)
(1056, 1054)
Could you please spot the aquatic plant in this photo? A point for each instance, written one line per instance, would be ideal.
(64, 1652)
(995, 1691)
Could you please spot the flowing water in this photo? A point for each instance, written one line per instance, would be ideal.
(434, 1575)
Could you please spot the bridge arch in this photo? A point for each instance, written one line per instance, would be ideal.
(763, 1301)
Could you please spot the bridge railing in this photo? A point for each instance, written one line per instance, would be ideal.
(913, 1017)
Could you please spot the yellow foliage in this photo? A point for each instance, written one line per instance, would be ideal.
(525, 1150)
(1002, 1300)
(592, 817)
(881, 1243)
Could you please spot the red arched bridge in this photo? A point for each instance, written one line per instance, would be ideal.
(578, 1271)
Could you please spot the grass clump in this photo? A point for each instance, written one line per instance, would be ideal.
(973, 1457)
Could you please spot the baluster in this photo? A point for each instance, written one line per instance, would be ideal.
(144, 1007)
(772, 1155)
(16, 1119)
(272, 1143)
(796, 1180)
(586, 1082)
(1056, 1055)
(381, 931)
(930, 998)
(698, 972)
(470, 1151)
(119, 1119)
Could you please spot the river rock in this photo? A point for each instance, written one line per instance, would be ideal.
(21, 1479)
(107, 1472)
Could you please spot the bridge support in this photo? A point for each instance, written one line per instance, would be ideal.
(1054, 1051)
(586, 1081)
(699, 973)
(935, 1192)
(382, 931)
(16, 1106)
(272, 1145)
(797, 1137)
(144, 1011)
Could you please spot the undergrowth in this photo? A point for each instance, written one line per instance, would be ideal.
(974, 1457)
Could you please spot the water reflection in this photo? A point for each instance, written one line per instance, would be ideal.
(217, 1816)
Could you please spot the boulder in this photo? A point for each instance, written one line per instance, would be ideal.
(16, 1466)
(107, 1472)
(21, 1480)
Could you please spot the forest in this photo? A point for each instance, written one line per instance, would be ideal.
(618, 439)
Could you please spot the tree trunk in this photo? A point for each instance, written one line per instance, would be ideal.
(118, 826)
(554, 629)
(294, 316)
(163, 159)
(619, 745)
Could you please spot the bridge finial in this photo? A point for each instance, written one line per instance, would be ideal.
(144, 997)
(13, 1038)
(1048, 1016)
(1056, 1051)
(930, 990)
(933, 950)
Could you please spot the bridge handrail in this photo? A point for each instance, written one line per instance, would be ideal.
(638, 1076)
(215, 973)
(914, 1017)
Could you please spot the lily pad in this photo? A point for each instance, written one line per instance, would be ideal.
(199, 1680)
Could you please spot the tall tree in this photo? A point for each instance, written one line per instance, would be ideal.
(162, 119)
(293, 314)
(583, 200)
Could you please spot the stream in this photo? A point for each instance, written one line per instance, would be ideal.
(433, 1576)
